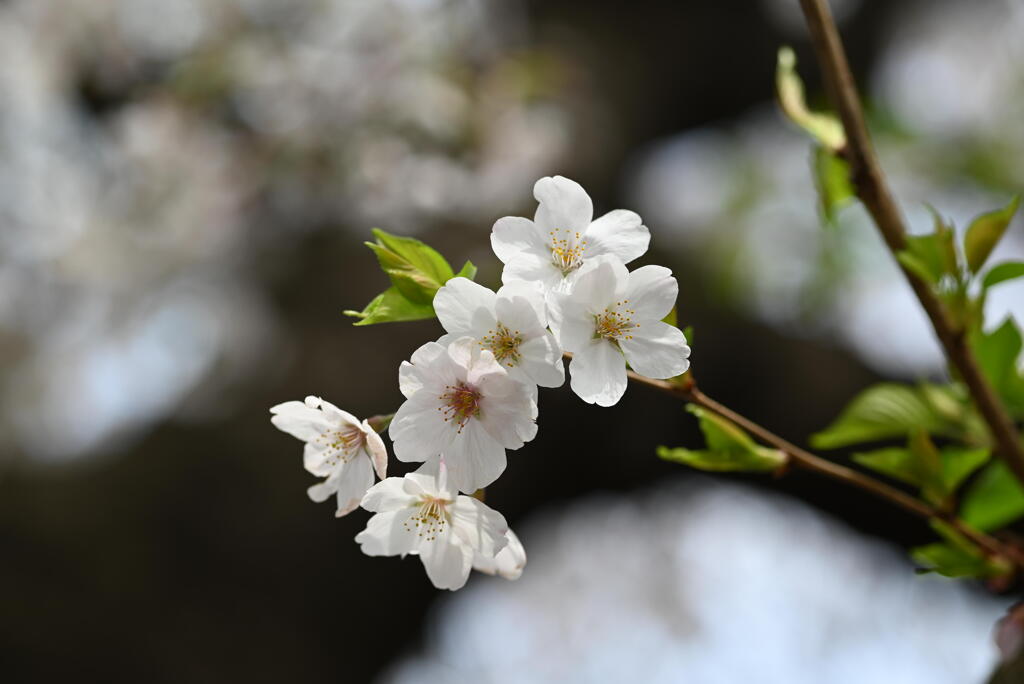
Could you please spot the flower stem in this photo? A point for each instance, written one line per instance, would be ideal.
(687, 390)
(869, 182)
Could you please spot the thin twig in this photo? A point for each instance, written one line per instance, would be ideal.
(867, 177)
(688, 391)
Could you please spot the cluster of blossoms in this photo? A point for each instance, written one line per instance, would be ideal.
(472, 394)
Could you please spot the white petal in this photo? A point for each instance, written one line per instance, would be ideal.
(509, 562)
(600, 282)
(520, 306)
(479, 526)
(376, 451)
(336, 416)
(320, 459)
(387, 495)
(657, 350)
(571, 321)
(541, 361)
(447, 562)
(507, 411)
(474, 459)
(619, 232)
(464, 307)
(390, 533)
(411, 373)
(419, 430)
(298, 420)
(537, 271)
(598, 373)
(651, 292)
(349, 483)
(514, 237)
(408, 379)
(564, 205)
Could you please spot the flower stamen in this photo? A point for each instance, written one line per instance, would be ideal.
(504, 344)
(567, 252)
(341, 445)
(431, 518)
(461, 402)
(615, 323)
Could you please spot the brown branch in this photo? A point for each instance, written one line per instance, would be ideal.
(687, 390)
(867, 177)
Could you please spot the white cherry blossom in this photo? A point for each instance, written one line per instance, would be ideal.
(511, 324)
(338, 447)
(461, 405)
(420, 514)
(549, 250)
(508, 563)
(612, 316)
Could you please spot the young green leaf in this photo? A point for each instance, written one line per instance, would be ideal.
(929, 255)
(951, 561)
(938, 473)
(824, 128)
(1003, 272)
(882, 412)
(997, 352)
(984, 232)
(995, 499)
(389, 306)
(762, 459)
(896, 462)
(729, 447)
(468, 270)
(416, 269)
(957, 556)
(832, 179)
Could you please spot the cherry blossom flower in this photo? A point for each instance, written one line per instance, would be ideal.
(419, 514)
(508, 563)
(511, 323)
(611, 317)
(549, 250)
(338, 448)
(463, 406)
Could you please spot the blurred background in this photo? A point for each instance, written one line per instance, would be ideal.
(184, 191)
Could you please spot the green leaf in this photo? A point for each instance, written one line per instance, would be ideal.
(938, 473)
(832, 178)
(931, 256)
(958, 463)
(688, 334)
(389, 306)
(468, 270)
(951, 561)
(984, 232)
(994, 500)
(957, 556)
(882, 412)
(824, 128)
(763, 460)
(997, 352)
(416, 269)
(729, 448)
(896, 462)
(1003, 272)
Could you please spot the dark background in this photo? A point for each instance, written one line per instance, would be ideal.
(191, 553)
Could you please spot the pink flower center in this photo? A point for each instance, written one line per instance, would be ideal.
(460, 403)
